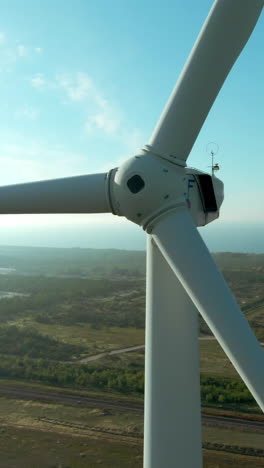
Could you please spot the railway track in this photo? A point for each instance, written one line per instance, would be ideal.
(75, 399)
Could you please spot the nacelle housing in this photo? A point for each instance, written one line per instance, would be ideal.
(147, 186)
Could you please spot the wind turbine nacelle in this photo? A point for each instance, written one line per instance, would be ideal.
(147, 186)
(204, 195)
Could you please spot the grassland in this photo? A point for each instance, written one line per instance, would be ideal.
(40, 415)
(43, 416)
(39, 449)
(40, 443)
(213, 360)
(79, 303)
(241, 438)
(49, 449)
(213, 459)
(93, 340)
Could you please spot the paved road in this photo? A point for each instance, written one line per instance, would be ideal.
(74, 399)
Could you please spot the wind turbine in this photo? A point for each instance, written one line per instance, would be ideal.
(156, 190)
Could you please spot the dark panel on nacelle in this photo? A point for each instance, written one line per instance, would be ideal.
(204, 195)
(207, 193)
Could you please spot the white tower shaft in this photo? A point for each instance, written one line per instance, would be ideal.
(172, 436)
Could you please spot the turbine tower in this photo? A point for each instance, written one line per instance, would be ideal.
(156, 190)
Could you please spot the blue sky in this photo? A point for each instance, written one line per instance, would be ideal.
(82, 86)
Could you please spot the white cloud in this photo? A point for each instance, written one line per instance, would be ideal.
(12, 52)
(134, 139)
(102, 115)
(2, 38)
(106, 118)
(78, 86)
(8, 54)
(22, 50)
(28, 113)
(38, 50)
(38, 81)
(103, 121)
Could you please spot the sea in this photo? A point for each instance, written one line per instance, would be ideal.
(218, 236)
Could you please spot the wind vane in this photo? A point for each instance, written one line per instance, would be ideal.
(213, 148)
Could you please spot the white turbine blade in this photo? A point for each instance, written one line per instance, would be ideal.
(172, 370)
(222, 38)
(81, 194)
(189, 258)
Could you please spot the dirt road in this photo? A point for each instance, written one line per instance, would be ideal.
(128, 349)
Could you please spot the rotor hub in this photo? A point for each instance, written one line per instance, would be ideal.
(146, 186)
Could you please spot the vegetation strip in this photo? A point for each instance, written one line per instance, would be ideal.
(133, 438)
(57, 422)
(206, 445)
(126, 380)
(253, 452)
(236, 420)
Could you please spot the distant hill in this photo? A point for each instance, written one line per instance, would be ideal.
(103, 262)
(240, 261)
(243, 272)
(72, 261)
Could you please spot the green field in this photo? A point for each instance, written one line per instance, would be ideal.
(93, 340)
(241, 438)
(39, 449)
(213, 459)
(39, 415)
(214, 361)
(77, 303)
(49, 449)
(44, 430)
